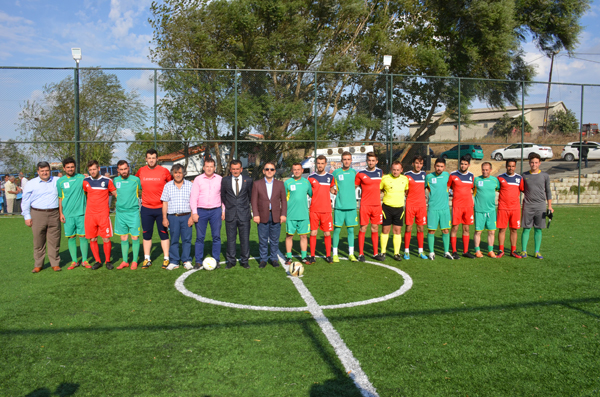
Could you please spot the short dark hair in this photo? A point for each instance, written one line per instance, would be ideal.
(466, 157)
(487, 163)
(321, 157)
(151, 151)
(68, 160)
(42, 164)
(93, 162)
(177, 167)
(209, 160)
(397, 162)
(371, 154)
(121, 162)
(270, 162)
(296, 163)
(511, 161)
(418, 157)
(346, 154)
(235, 162)
(534, 156)
(440, 160)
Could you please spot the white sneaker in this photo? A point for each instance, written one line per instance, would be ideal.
(432, 256)
(188, 265)
(172, 266)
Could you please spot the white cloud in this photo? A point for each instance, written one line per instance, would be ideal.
(142, 83)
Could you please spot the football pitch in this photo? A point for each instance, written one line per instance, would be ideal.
(485, 327)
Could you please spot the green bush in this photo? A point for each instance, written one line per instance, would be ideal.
(574, 188)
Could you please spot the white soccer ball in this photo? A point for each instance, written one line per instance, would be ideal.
(209, 263)
(296, 269)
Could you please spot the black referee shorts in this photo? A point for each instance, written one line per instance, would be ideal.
(392, 215)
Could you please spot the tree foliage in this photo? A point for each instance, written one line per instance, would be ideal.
(16, 158)
(562, 122)
(144, 140)
(507, 126)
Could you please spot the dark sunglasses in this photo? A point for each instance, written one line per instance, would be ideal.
(269, 169)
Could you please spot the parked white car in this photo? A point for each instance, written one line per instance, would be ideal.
(571, 151)
(513, 152)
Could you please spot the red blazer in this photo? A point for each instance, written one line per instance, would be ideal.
(260, 200)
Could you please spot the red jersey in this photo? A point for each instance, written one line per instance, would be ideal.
(97, 191)
(415, 197)
(370, 186)
(510, 192)
(321, 198)
(462, 189)
(153, 182)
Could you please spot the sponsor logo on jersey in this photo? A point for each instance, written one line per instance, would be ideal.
(66, 185)
(118, 185)
(293, 187)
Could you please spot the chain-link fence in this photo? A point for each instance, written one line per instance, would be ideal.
(288, 116)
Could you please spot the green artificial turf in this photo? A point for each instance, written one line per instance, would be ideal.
(468, 327)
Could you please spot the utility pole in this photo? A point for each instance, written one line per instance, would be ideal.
(548, 94)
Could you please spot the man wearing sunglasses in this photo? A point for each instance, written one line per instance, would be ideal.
(269, 209)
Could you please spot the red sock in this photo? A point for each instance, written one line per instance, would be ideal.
(453, 242)
(107, 247)
(420, 238)
(313, 245)
(407, 240)
(375, 240)
(466, 243)
(95, 250)
(328, 245)
(501, 248)
(513, 248)
(361, 243)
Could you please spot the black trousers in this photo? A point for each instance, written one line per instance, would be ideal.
(232, 228)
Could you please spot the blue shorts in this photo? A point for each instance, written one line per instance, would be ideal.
(150, 216)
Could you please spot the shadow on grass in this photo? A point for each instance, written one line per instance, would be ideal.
(63, 390)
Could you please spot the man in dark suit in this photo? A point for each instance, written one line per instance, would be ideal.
(236, 192)
(269, 206)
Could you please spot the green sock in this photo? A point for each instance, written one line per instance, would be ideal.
(431, 241)
(303, 254)
(490, 248)
(125, 249)
(336, 236)
(350, 236)
(477, 249)
(288, 255)
(73, 248)
(537, 238)
(525, 239)
(446, 241)
(135, 248)
(84, 244)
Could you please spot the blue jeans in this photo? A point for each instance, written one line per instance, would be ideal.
(212, 216)
(268, 234)
(178, 226)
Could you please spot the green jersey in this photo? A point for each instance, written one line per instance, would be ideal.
(128, 193)
(438, 191)
(70, 190)
(346, 189)
(297, 192)
(485, 193)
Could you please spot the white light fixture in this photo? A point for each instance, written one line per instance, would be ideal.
(76, 52)
(387, 61)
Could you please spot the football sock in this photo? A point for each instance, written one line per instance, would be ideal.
(513, 248)
(420, 239)
(95, 251)
(453, 243)
(335, 252)
(313, 245)
(288, 255)
(375, 241)
(397, 243)
(407, 236)
(525, 239)
(361, 243)
(465, 243)
(125, 249)
(146, 257)
(303, 254)
(350, 239)
(73, 249)
(431, 241)
(446, 241)
(490, 248)
(107, 247)
(327, 245)
(336, 238)
(501, 248)
(384, 241)
(477, 249)
(350, 250)
(84, 244)
(537, 238)
(135, 249)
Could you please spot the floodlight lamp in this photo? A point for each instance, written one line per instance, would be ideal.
(76, 52)
(387, 61)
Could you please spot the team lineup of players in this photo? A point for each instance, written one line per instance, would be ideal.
(404, 201)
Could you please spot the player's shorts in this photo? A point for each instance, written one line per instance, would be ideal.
(534, 217)
(392, 215)
(510, 218)
(150, 216)
(371, 213)
(300, 226)
(128, 223)
(348, 217)
(439, 218)
(324, 220)
(75, 226)
(485, 221)
(418, 214)
(98, 225)
(462, 215)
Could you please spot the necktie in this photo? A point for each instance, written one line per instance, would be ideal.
(237, 187)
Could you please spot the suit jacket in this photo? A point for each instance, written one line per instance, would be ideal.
(236, 207)
(260, 200)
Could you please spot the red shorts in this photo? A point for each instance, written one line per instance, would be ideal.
(98, 226)
(462, 215)
(419, 214)
(510, 218)
(324, 219)
(374, 213)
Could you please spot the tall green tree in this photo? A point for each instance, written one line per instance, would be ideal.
(507, 126)
(562, 122)
(16, 158)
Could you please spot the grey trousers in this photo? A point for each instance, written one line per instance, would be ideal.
(46, 236)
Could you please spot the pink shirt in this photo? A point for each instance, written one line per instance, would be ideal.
(206, 192)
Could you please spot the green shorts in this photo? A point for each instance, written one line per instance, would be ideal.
(439, 218)
(128, 223)
(485, 220)
(300, 227)
(349, 217)
(75, 226)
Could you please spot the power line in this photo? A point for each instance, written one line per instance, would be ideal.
(583, 59)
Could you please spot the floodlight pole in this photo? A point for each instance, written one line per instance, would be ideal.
(76, 115)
